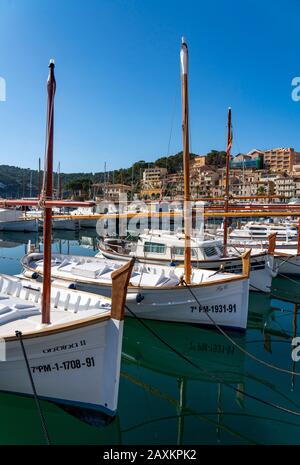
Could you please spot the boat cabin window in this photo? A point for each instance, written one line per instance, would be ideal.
(255, 228)
(220, 249)
(154, 247)
(210, 251)
(180, 251)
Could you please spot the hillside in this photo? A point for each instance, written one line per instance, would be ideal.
(21, 182)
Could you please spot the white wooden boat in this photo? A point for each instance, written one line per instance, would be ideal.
(259, 231)
(13, 220)
(86, 218)
(286, 261)
(163, 248)
(156, 291)
(57, 343)
(65, 224)
(75, 359)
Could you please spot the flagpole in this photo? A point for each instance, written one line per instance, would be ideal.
(226, 206)
(186, 160)
(47, 194)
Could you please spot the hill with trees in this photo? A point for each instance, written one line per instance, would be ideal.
(24, 182)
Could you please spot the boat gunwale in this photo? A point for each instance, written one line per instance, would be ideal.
(264, 253)
(63, 327)
(235, 277)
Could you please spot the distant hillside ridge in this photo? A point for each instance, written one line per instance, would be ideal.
(18, 182)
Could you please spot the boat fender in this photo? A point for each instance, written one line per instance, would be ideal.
(139, 298)
(31, 274)
(135, 297)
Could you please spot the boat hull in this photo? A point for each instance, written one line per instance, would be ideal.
(88, 223)
(65, 224)
(76, 366)
(288, 264)
(19, 225)
(222, 303)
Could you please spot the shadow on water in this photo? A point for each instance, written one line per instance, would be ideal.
(193, 386)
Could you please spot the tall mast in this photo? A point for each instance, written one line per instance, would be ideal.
(39, 179)
(47, 195)
(228, 149)
(186, 159)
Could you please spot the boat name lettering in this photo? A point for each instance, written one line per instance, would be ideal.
(73, 345)
(220, 308)
(88, 362)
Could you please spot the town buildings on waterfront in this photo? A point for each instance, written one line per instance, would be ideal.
(259, 172)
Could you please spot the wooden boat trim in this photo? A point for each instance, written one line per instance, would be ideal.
(272, 243)
(120, 280)
(284, 254)
(69, 326)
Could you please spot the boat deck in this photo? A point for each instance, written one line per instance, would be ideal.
(99, 270)
(20, 306)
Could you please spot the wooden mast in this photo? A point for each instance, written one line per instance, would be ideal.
(226, 197)
(186, 160)
(47, 195)
(298, 241)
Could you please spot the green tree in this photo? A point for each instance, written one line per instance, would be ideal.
(216, 158)
(261, 190)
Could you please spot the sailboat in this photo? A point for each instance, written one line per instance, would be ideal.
(164, 247)
(159, 247)
(162, 293)
(60, 344)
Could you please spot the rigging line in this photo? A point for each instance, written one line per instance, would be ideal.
(216, 378)
(252, 356)
(172, 125)
(37, 400)
(199, 414)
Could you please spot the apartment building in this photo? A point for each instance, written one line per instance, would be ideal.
(173, 184)
(198, 162)
(110, 191)
(285, 186)
(203, 179)
(281, 159)
(152, 177)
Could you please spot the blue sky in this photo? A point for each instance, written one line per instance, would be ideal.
(118, 82)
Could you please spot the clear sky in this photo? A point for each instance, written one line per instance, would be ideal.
(118, 82)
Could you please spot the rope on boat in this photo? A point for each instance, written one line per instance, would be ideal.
(37, 400)
(212, 376)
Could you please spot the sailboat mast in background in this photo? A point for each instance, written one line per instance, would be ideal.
(226, 206)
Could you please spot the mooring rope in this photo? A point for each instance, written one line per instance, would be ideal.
(37, 400)
(212, 376)
(249, 354)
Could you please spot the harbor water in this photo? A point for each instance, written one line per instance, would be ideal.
(180, 384)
